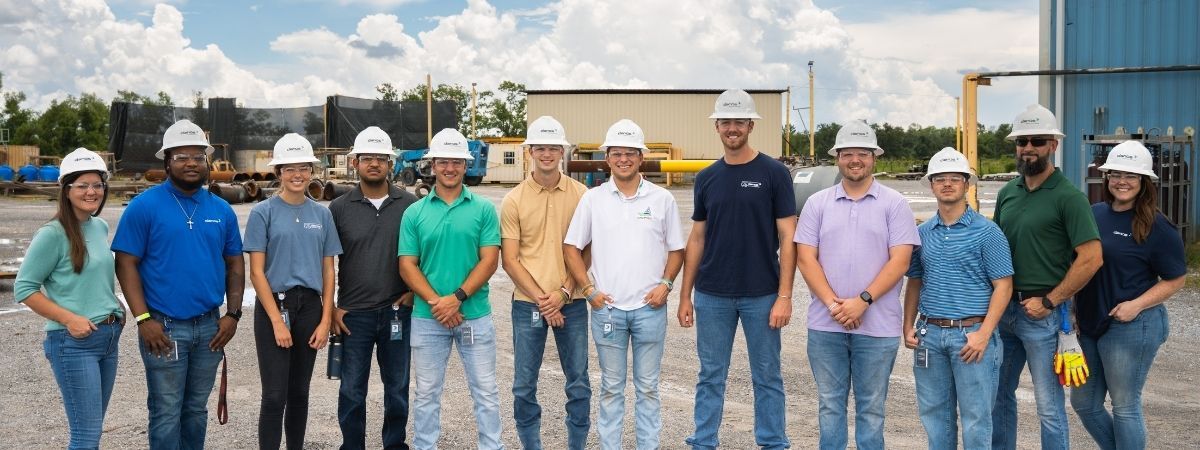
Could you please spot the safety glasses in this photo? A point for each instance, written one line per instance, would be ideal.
(1037, 142)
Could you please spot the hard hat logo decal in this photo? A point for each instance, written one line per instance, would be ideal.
(375, 140)
(295, 149)
(188, 132)
(1125, 156)
(624, 133)
(1030, 121)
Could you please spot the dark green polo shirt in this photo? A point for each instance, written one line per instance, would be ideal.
(1043, 228)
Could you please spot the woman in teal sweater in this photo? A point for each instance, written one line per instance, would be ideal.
(67, 277)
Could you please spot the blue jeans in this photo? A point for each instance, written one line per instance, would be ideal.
(371, 331)
(946, 384)
(716, 324)
(476, 342)
(843, 360)
(177, 389)
(1035, 341)
(529, 344)
(85, 370)
(614, 330)
(1119, 361)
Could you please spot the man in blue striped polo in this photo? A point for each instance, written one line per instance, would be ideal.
(959, 283)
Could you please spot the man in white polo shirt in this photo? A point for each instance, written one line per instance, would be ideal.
(636, 244)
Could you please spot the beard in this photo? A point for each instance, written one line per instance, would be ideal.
(1030, 168)
(185, 185)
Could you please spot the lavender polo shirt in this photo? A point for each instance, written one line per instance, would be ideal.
(852, 240)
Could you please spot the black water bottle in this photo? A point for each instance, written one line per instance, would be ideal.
(334, 369)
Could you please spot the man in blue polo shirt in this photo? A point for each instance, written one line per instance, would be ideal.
(959, 283)
(179, 255)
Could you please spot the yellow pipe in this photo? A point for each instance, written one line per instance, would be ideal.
(970, 148)
(684, 165)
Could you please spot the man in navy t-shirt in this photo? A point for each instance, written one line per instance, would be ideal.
(744, 208)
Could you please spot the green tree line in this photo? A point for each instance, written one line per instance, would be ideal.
(914, 142)
(499, 113)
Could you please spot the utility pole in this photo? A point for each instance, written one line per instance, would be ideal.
(428, 110)
(474, 134)
(812, 121)
(787, 129)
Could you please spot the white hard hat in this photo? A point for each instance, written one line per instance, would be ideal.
(183, 133)
(292, 148)
(948, 160)
(1035, 121)
(449, 143)
(546, 131)
(734, 104)
(624, 133)
(1128, 156)
(856, 134)
(82, 160)
(373, 140)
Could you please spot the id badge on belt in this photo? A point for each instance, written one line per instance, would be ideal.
(608, 323)
(397, 329)
(468, 335)
(283, 312)
(535, 320)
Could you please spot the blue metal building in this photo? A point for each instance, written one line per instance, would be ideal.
(1112, 34)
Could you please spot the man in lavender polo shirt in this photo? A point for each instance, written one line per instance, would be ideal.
(854, 241)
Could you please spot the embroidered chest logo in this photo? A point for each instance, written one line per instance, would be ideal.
(751, 184)
(312, 226)
(1118, 233)
(212, 220)
(645, 214)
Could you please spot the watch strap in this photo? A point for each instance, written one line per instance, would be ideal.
(460, 294)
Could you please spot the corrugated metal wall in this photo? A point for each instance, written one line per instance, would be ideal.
(678, 118)
(18, 155)
(1127, 33)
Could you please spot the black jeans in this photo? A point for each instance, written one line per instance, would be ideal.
(286, 372)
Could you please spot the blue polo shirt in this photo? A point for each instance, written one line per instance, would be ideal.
(182, 267)
(957, 264)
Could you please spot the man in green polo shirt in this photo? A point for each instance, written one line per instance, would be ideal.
(449, 247)
(1056, 249)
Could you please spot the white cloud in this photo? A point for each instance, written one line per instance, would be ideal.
(901, 71)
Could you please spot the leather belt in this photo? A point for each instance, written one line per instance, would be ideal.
(111, 319)
(1022, 295)
(951, 323)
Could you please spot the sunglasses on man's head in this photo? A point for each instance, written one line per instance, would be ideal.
(1037, 142)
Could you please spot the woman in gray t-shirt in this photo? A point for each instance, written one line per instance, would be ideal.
(292, 241)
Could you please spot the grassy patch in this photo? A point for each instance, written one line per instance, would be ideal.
(1191, 254)
(901, 165)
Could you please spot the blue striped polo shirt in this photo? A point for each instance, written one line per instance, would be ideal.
(957, 264)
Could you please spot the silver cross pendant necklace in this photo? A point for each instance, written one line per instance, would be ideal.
(185, 214)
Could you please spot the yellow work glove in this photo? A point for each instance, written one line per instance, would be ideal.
(1071, 368)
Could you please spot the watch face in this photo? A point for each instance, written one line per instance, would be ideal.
(865, 296)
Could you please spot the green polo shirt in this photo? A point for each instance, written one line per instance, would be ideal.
(1043, 228)
(447, 238)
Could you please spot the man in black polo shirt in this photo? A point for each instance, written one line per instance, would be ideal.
(373, 305)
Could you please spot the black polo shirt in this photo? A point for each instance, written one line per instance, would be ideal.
(368, 269)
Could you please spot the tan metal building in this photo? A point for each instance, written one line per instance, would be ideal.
(678, 117)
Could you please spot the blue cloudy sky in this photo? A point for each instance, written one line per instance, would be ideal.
(885, 61)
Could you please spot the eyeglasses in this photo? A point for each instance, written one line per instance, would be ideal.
(1126, 177)
(368, 159)
(450, 163)
(294, 170)
(1037, 142)
(951, 179)
(733, 123)
(624, 155)
(854, 154)
(84, 187)
(182, 158)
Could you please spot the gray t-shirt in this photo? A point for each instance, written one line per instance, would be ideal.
(295, 239)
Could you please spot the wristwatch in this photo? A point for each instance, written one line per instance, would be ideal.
(1046, 303)
(236, 314)
(460, 294)
(866, 297)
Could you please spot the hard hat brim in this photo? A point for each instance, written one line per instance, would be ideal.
(448, 155)
(306, 159)
(162, 153)
(536, 141)
(874, 148)
(732, 115)
(1109, 166)
(1018, 133)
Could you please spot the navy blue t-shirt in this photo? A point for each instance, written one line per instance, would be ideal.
(1129, 268)
(738, 205)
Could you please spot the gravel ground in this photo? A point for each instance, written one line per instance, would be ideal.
(31, 414)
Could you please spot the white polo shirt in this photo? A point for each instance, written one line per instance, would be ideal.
(630, 239)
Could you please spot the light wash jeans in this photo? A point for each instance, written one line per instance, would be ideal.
(1119, 361)
(947, 387)
(614, 331)
(840, 361)
(476, 342)
(1035, 341)
(716, 325)
(85, 369)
